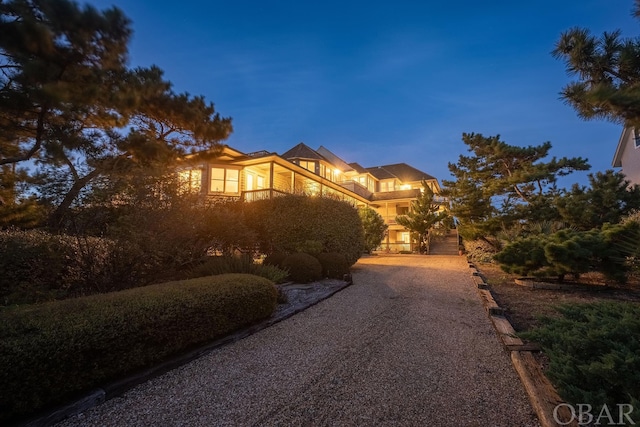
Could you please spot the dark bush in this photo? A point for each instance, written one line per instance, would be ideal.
(34, 267)
(304, 224)
(52, 351)
(275, 259)
(236, 264)
(303, 268)
(38, 266)
(334, 265)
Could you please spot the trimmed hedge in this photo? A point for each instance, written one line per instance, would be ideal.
(303, 268)
(53, 351)
(334, 265)
(215, 265)
(294, 223)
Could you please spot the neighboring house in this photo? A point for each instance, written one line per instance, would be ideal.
(627, 154)
(388, 189)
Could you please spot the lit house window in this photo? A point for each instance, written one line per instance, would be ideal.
(310, 166)
(254, 182)
(190, 180)
(225, 180)
(387, 186)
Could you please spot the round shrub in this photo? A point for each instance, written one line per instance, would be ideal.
(275, 259)
(303, 268)
(334, 265)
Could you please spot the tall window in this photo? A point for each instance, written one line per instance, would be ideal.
(225, 180)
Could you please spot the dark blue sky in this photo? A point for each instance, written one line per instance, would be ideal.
(380, 82)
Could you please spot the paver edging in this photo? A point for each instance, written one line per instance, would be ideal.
(542, 394)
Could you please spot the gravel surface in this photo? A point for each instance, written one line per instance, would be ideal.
(408, 344)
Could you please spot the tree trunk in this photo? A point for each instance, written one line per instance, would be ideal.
(57, 217)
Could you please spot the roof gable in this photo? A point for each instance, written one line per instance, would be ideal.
(302, 151)
(628, 134)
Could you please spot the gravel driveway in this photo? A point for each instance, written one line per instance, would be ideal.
(408, 344)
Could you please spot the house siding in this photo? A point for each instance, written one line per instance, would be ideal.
(627, 155)
(631, 162)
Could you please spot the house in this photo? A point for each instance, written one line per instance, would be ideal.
(627, 154)
(389, 189)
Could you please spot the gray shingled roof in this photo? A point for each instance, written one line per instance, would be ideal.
(302, 151)
(356, 166)
(402, 171)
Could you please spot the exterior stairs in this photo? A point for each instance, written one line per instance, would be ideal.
(446, 245)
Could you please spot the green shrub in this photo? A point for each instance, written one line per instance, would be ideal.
(52, 351)
(236, 264)
(373, 228)
(594, 353)
(334, 265)
(38, 266)
(303, 268)
(571, 252)
(34, 266)
(478, 250)
(275, 259)
(300, 223)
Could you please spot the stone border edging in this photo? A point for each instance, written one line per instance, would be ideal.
(543, 396)
(114, 389)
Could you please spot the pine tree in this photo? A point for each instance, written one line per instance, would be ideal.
(608, 71)
(69, 102)
(422, 216)
(501, 184)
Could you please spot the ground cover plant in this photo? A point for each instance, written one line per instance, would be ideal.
(573, 344)
(594, 353)
(52, 351)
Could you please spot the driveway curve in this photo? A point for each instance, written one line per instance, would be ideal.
(408, 344)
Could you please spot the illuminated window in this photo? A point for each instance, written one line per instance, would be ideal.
(190, 180)
(387, 186)
(310, 166)
(225, 180)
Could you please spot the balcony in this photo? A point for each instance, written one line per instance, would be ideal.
(267, 193)
(356, 187)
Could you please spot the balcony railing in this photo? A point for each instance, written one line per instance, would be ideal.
(268, 193)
